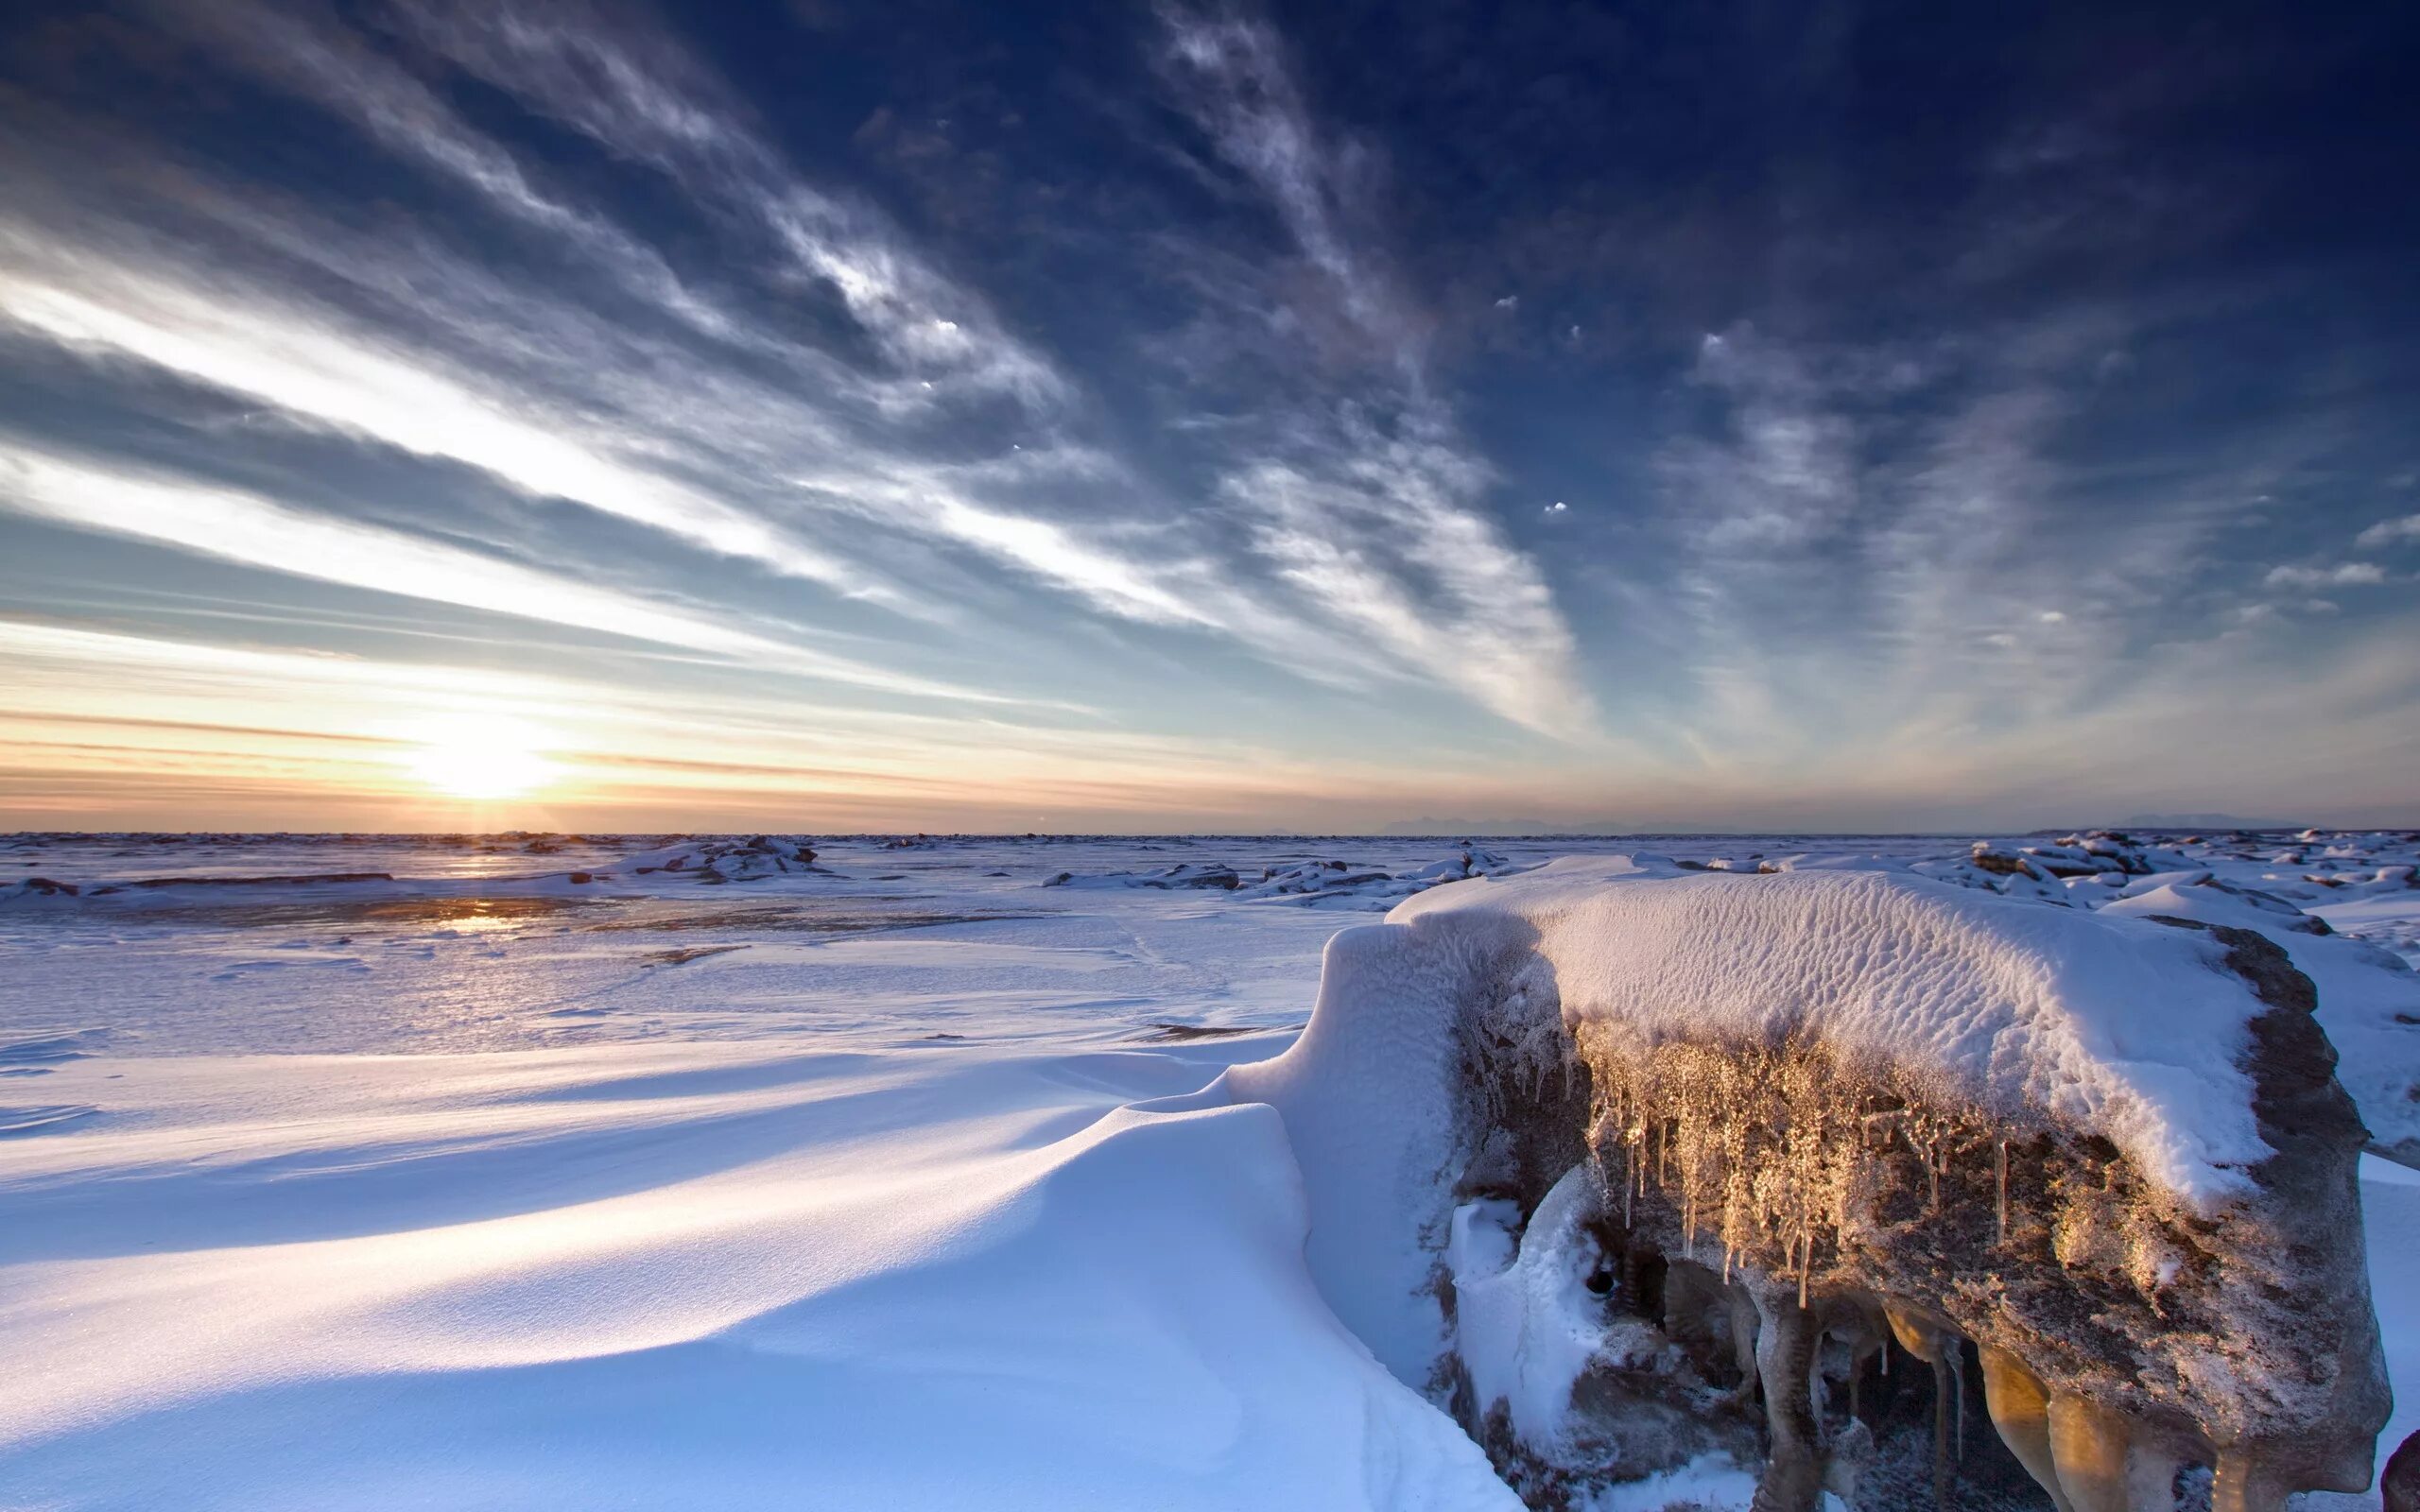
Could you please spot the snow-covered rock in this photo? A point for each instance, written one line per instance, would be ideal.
(1828, 1106)
(1314, 879)
(2368, 1000)
(1313, 883)
(726, 858)
(1187, 874)
(1467, 861)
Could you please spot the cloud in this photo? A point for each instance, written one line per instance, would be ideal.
(2388, 532)
(648, 101)
(2344, 575)
(310, 366)
(237, 527)
(1781, 471)
(1370, 505)
(842, 471)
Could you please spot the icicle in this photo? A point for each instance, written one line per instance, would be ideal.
(1726, 1264)
(1955, 1348)
(2002, 1163)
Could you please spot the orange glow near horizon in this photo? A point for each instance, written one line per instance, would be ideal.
(482, 757)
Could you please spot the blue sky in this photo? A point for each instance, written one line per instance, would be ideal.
(922, 416)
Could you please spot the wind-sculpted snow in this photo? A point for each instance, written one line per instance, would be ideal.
(1739, 1131)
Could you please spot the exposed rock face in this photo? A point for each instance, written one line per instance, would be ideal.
(2399, 1484)
(1924, 1139)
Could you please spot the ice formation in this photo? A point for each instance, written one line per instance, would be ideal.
(1597, 1151)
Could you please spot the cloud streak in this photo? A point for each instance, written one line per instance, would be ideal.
(1370, 503)
(240, 527)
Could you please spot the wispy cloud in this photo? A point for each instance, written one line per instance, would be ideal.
(2341, 574)
(653, 104)
(828, 469)
(2388, 532)
(241, 528)
(1370, 503)
(299, 360)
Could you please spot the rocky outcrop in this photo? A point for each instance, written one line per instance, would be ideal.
(727, 858)
(2399, 1484)
(1701, 1145)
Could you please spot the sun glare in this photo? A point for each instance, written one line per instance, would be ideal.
(481, 756)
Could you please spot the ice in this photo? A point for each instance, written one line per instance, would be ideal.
(1528, 1324)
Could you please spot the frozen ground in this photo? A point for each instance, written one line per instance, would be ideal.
(467, 1184)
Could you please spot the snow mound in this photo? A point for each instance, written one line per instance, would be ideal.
(687, 1276)
(34, 891)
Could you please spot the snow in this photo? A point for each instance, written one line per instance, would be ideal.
(649, 1276)
(2128, 1029)
(904, 1181)
(1526, 1323)
(2369, 998)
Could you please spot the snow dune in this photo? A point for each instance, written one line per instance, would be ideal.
(687, 1275)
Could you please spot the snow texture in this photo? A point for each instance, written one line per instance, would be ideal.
(2112, 1025)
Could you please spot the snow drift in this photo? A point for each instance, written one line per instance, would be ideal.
(1595, 1149)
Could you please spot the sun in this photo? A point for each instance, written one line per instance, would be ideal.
(480, 756)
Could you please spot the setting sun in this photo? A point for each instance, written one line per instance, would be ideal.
(481, 756)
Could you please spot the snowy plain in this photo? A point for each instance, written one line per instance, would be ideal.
(451, 1180)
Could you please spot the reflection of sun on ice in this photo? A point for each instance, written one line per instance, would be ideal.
(480, 756)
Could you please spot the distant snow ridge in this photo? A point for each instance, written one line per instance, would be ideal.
(1593, 1149)
(1311, 883)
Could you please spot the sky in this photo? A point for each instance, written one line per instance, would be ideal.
(836, 416)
